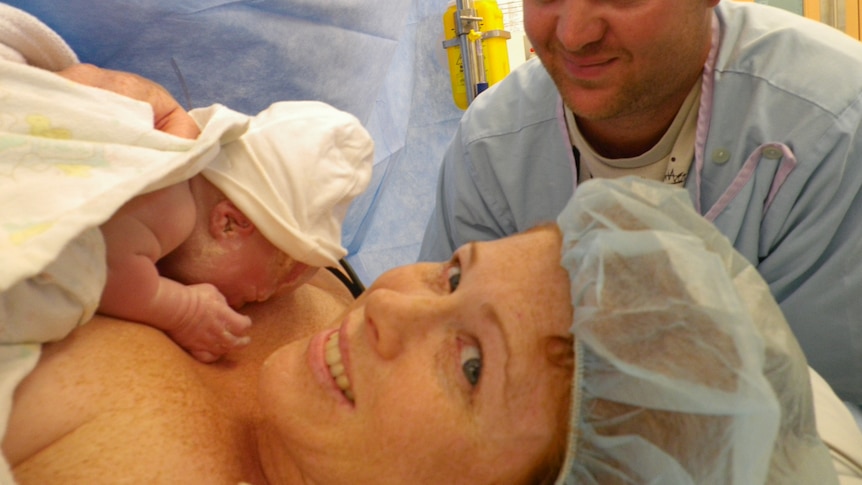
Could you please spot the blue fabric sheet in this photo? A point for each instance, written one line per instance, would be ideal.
(381, 60)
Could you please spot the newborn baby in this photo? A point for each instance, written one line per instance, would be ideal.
(261, 217)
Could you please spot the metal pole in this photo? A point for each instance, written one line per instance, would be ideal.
(466, 22)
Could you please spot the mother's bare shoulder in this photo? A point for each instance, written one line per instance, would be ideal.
(116, 401)
(92, 372)
(113, 388)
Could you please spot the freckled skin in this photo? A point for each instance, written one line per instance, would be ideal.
(404, 345)
(119, 402)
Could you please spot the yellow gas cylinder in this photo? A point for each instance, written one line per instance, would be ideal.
(493, 54)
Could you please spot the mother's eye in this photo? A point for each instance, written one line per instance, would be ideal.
(471, 363)
(454, 276)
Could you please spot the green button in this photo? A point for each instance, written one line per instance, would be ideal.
(772, 153)
(720, 156)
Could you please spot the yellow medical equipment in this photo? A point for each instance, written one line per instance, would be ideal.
(474, 32)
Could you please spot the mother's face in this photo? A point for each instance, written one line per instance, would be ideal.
(446, 373)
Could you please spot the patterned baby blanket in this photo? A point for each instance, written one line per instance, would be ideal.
(70, 156)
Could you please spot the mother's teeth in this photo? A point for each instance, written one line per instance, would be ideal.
(333, 354)
(336, 368)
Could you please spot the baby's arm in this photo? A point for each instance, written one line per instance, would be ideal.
(197, 317)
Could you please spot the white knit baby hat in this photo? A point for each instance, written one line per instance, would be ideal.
(294, 173)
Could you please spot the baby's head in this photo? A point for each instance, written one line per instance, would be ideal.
(294, 173)
(227, 250)
(272, 203)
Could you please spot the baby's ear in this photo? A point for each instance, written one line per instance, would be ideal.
(226, 220)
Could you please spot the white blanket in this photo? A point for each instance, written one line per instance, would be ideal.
(70, 155)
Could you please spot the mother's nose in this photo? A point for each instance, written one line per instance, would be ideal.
(397, 320)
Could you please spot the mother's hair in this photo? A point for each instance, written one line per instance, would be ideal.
(685, 369)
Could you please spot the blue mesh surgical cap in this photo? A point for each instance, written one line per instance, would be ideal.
(686, 371)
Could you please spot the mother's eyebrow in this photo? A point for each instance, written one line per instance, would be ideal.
(540, 226)
(489, 313)
(472, 251)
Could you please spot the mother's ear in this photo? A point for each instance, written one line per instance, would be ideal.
(226, 220)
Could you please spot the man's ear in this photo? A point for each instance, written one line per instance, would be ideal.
(226, 220)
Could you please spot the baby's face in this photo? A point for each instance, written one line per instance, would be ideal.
(257, 270)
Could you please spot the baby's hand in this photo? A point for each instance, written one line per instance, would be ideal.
(211, 328)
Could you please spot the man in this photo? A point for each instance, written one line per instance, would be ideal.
(755, 111)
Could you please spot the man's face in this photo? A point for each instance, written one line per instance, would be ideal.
(616, 58)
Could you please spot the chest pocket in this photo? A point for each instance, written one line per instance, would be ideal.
(778, 155)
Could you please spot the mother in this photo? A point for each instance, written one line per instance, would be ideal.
(459, 372)
(443, 380)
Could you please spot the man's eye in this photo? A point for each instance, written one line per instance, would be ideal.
(471, 363)
(454, 276)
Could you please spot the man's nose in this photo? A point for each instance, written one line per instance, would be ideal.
(579, 24)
